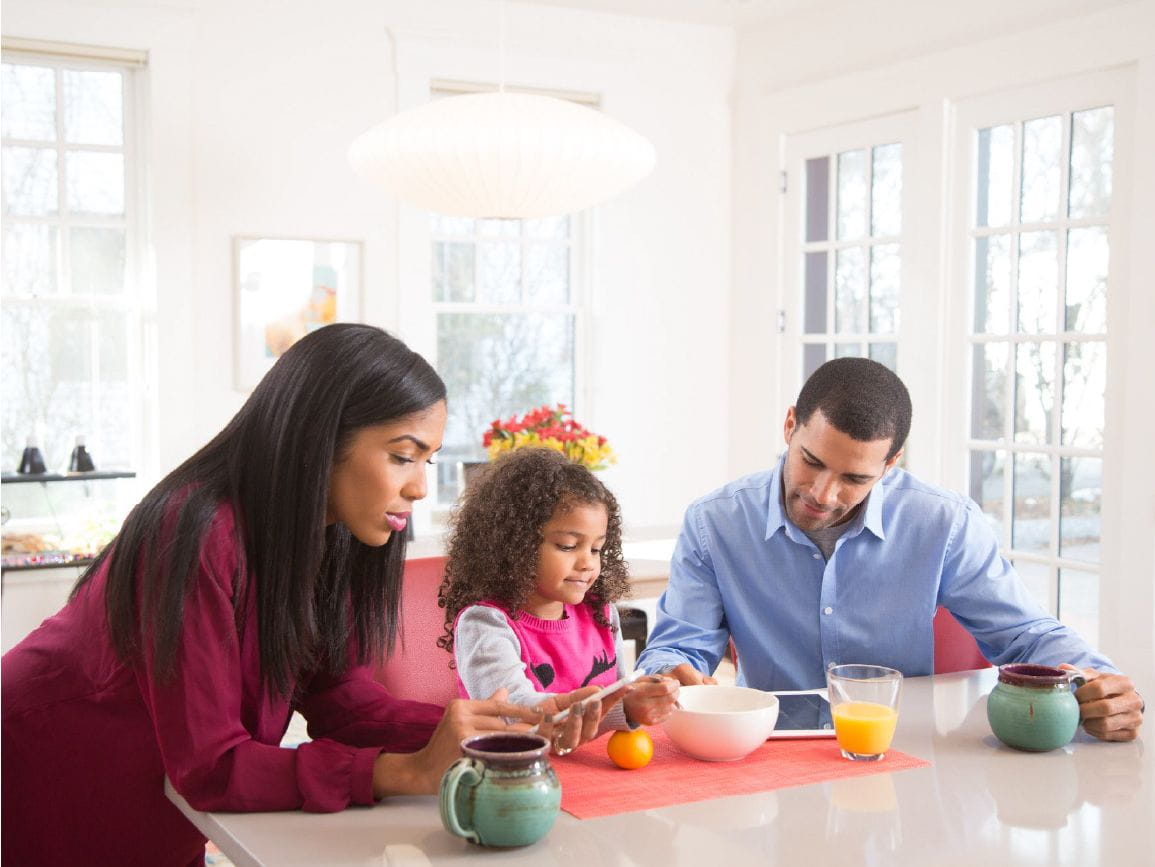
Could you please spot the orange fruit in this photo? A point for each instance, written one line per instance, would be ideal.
(630, 750)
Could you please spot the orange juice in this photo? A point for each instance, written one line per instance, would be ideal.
(864, 727)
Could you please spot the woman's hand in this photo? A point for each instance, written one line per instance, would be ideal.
(420, 773)
(582, 723)
(687, 675)
(651, 700)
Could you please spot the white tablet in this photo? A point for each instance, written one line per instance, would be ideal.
(803, 713)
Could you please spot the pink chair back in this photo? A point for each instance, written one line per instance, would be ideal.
(954, 648)
(418, 669)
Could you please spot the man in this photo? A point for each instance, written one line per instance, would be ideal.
(836, 555)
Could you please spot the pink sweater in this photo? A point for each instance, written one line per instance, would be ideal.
(561, 655)
(88, 740)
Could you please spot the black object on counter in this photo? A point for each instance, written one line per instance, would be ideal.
(633, 626)
(81, 460)
(31, 461)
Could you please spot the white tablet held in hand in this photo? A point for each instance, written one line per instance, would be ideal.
(803, 713)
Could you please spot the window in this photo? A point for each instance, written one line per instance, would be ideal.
(845, 267)
(507, 320)
(72, 310)
(852, 255)
(1038, 347)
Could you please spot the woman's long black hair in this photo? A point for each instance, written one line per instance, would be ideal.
(317, 587)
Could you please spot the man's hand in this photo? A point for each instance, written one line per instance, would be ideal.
(687, 675)
(1109, 707)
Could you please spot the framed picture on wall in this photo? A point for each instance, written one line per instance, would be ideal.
(286, 288)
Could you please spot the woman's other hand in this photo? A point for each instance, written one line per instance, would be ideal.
(420, 773)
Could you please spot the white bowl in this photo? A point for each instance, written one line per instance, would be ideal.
(721, 723)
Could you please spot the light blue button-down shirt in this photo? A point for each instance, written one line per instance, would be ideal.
(741, 569)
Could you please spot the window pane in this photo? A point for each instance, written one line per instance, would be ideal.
(1038, 282)
(1092, 150)
(1081, 489)
(1084, 391)
(995, 167)
(453, 271)
(885, 275)
(852, 194)
(886, 191)
(498, 271)
(818, 199)
(885, 354)
(29, 97)
(112, 436)
(993, 284)
(1034, 392)
(97, 261)
(93, 107)
(813, 357)
(29, 181)
(1042, 169)
(95, 182)
(1039, 579)
(1079, 603)
(501, 364)
(987, 488)
(850, 313)
(1087, 255)
(548, 229)
(1031, 521)
(499, 228)
(547, 274)
(814, 317)
(29, 259)
(988, 400)
(848, 350)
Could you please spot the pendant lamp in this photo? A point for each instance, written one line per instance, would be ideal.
(502, 154)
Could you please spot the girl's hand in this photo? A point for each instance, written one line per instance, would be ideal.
(420, 773)
(651, 700)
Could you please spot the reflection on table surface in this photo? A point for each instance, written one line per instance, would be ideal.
(979, 802)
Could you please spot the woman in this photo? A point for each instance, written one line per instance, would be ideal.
(261, 576)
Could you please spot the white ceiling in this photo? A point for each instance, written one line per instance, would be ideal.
(733, 13)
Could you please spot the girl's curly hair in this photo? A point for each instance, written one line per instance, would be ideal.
(496, 530)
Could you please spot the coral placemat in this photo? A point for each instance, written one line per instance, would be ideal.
(592, 786)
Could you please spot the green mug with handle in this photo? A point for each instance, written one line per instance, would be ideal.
(1033, 707)
(502, 792)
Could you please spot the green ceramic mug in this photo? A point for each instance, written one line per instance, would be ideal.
(502, 792)
(1033, 707)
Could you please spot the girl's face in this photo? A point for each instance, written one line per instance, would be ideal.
(569, 559)
(382, 473)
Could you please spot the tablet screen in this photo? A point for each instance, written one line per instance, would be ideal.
(803, 713)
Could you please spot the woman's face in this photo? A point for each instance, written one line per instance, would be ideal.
(382, 473)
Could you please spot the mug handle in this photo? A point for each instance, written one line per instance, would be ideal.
(462, 772)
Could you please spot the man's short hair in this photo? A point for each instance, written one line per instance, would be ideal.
(862, 398)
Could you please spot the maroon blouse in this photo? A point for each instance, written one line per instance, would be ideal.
(88, 740)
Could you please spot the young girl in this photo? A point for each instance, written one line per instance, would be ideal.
(534, 567)
(259, 577)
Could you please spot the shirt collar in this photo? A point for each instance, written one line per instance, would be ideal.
(870, 518)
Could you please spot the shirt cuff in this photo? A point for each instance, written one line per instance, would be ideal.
(361, 782)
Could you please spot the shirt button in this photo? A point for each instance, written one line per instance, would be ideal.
(827, 610)
(817, 556)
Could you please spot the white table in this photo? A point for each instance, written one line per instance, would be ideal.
(979, 803)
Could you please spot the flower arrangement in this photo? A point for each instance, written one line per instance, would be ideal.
(549, 428)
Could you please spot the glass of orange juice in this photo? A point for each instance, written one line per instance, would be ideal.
(864, 705)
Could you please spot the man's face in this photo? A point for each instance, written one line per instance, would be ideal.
(827, 473)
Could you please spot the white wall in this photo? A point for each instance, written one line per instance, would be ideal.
(252, 104)
(806, 73)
